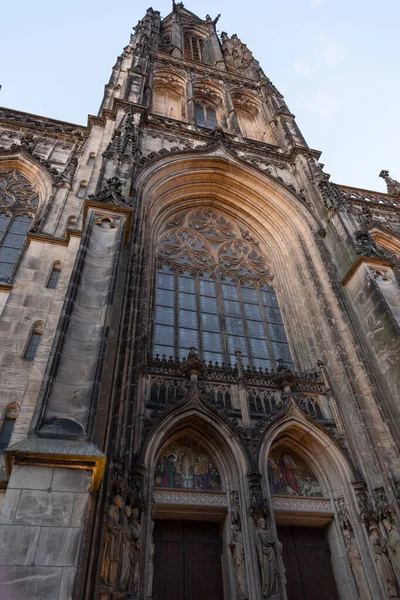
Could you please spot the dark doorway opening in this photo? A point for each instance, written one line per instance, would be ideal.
(187, 561)
(307, 559)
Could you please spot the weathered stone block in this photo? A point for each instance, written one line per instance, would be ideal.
(18, 544)
(58, 547)
(9, 506)
(44, 508)
(71, 480)
(33, 583)
(31, 477)
(67, 583)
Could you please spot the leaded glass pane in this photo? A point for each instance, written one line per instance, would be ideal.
(165, 298)
(208, 304)
(164, 335)
(211, 118)
(188, 318)
(207, 288)
(232, 308)
(167, 350)
(281, 351)
(4, 221)
(5, 270)
(21, 225)
(235, 342)
(33, 344)
(6, 432)
(234, 326)
(187, 284)
(166, 281)
(230, 292)
(8, 255)
(187, 301)
(188, 338)
(249, 295)
(14, 241)
(53, 279)
(259, 348)
(255, 329)
(277, 332)
(273, 315)
(210, 322)
(211, 341)
(269, 299)
(252, 311)
(261, 362)
(199, 115)
(165, 316)
(213, 356)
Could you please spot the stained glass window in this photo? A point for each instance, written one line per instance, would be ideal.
(18, 203)
(214, 292)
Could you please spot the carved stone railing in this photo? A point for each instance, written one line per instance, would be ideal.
(359, 196)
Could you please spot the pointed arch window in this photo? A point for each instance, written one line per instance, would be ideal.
(18, 204)
(214, 292)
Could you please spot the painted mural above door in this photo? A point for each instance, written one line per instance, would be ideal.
(289, 474)
(184, 464)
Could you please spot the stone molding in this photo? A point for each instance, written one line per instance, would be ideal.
(302, 504)
(190, 498)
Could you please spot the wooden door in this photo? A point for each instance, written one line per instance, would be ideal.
(306, 556)
(187, 561)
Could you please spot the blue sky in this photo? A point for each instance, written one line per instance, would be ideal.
(335, 61)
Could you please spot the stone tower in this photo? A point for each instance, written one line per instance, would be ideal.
(199, 359)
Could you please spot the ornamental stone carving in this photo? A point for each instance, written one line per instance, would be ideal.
(267, 559)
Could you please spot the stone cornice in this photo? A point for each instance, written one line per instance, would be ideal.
(50, 239)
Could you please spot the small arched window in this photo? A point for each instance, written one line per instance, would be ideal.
(91, 159)
(205, 115)
(82, 189)
(194, 48)
(54, 276)
(18, 204)
(33, 341)
(7, 426)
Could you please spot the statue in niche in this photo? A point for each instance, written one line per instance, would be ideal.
(237, 549)
(354, 557)
(393, 546)
(265, 545)
(111, 553)
(136, 546)
(126, 548)
(382, 562)
(150, 565)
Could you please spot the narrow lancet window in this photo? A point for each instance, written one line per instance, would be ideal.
(54, 276)
(33, 341)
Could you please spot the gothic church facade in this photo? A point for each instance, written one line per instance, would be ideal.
(199, 386)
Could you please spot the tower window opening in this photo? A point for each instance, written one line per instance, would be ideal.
(205, 116)
(6, 433)
(194, 48)
(91, 159)
(82, 189)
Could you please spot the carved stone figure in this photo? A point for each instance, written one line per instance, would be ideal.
(354, 557)
(382, 563)
(237, 549)
(112, 543)
(393, 546)
(267, 560)
(150, 564)
(126, 549)
(136, 545)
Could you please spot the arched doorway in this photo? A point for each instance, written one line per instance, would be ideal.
(307, 474)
